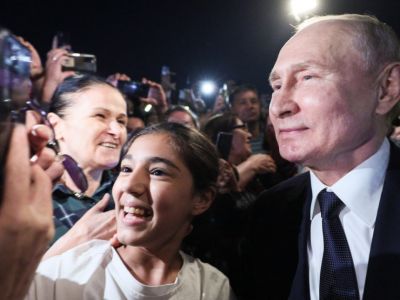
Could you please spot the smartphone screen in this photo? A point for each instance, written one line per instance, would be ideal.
(134, 89)
(15, 67)
(79, 62)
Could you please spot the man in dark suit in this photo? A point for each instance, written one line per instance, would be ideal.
(333, 232)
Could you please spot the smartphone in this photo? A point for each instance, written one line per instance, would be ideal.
(224, 143)
(15, 66)
(133, 89)
(79, 62)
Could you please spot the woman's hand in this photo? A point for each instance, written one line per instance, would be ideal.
(94, 224)
(26, 212)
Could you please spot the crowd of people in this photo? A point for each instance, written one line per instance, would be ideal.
(299, 201)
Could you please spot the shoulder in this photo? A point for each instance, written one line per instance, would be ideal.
(289, 193)
(269, 250)
(204, 268)
(75, 274)
(85, 258)
(287, 187)
(213, 284)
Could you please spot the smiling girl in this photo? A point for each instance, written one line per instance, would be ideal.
(167, 177)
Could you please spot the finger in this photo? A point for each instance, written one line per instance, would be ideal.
(39, 136)
(56, 58)
(61, 59)
(67, 74)
(40, 194)
(44, 158)
(101, 205)
(56, 52)
(112, 77)
(105, 226)
(23, 42)
(55, 171)
(268, 169)
(17, 169)
(108, 216)
(114, 242)
(124, 77)
(31, 119)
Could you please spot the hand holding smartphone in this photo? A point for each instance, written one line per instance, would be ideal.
(77, 62)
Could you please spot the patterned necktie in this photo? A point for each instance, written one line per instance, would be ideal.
(338, 277)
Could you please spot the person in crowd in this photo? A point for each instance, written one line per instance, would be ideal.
(26, 222)
(134, 124)
(183, 115)
(332, 233)
(167, 177)
(54, 75)
(217, 234)
(45, 79)
(136, 118)
(156, 99)
(284, 168)
(220, 105)
(239, 154)
(26, 225)
(89, 118)
(245, 103)
(36, 71)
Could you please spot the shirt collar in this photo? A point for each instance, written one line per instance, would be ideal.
(106, 183)
(360, 189)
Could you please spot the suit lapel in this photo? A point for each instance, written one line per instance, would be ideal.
(300, 287)
(383, 273)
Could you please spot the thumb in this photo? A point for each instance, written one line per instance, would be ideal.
(114, 242)
(101, 205)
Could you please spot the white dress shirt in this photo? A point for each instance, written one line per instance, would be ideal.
(360, 190)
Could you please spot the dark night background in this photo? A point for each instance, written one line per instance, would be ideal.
(217, 40)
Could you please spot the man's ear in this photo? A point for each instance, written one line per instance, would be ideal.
(203, 201)
(389, 89)
(57, 124)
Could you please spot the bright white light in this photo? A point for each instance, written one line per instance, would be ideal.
(207, 88)
(147, 108)
(300, 8)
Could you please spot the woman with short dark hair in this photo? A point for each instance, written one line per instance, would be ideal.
(89, 116)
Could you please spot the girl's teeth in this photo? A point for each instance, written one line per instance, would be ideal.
(135, 210)
(109, 145)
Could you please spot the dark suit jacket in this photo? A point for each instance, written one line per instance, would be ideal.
(275, 253)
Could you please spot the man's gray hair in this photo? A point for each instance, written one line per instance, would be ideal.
(377, 42)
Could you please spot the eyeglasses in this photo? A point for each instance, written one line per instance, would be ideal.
(70, 165)
(241, 126)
